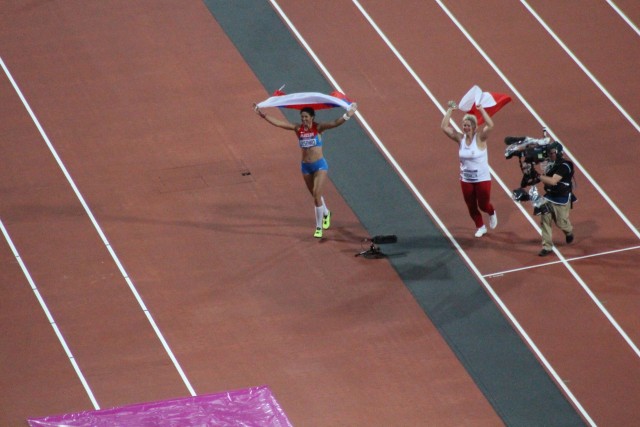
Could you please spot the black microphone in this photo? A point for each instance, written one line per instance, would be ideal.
(514, 139)
(382, 239)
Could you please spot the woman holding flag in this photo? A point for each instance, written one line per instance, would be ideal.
(314, 166)
(475, 177)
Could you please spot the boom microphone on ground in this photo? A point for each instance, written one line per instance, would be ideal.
(374, 251)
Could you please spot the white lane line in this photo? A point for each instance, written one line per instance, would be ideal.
(435, 217)
(579, 258)
(99, 230)
(52, 321)
(624, 16)
(582, 66)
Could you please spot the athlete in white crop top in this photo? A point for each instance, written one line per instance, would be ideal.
(475, 177)
(474, 162)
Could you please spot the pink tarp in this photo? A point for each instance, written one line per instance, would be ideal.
(254, 406)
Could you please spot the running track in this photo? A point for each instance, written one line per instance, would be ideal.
(145, 219)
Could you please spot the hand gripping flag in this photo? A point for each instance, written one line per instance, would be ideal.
(492, 102)
(300, 100)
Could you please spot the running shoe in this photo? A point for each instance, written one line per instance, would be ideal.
(493, 220)
(318, 233)
(326, 220)
(544, 252)
(481, 231)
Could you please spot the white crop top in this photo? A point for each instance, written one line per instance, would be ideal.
(474, 162)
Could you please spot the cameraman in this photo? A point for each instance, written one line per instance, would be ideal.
(558, 197)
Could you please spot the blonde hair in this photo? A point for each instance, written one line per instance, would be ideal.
(472, 119)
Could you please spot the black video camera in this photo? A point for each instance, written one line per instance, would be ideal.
(530, 150)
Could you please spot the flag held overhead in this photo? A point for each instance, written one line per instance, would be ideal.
(300, 100)
(492, 102)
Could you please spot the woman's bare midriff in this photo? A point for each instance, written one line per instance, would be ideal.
(311, 154)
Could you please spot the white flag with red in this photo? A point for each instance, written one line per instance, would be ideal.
(491, 101)
(315, 100)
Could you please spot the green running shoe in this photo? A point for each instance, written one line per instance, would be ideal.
(318, 233)
(326, 220)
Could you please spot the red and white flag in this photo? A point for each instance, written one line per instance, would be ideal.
(315, 100)
(492, 102)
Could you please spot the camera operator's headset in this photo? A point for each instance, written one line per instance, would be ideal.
(558, 147)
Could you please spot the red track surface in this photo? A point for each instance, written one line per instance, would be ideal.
(148, 107)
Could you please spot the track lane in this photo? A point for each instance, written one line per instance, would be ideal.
(74, 273)
(198, 255)
(370, 87)
(629, 8)
(33, 363)
(601, 41)
(578, 341)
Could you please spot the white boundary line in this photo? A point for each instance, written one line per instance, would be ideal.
(52, 321)
(502, 273)
(624, 16)
(419, 196)
(582, 66)
(99, 230)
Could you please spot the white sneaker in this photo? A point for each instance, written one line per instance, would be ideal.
(493, 220)
(481, 231)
